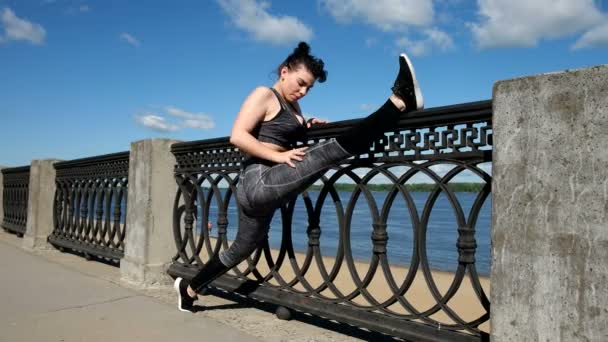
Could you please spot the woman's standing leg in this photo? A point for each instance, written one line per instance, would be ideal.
(253, 226)
(252, 233)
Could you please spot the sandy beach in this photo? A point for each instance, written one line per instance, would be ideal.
(465, 302)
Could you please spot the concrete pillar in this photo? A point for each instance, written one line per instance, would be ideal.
(41, 196)
(549, 278)
(149, 242)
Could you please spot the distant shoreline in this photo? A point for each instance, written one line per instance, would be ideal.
(417, 187)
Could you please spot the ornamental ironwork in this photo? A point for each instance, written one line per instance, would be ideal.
(438, 144)
(90, 206)
(14, 201)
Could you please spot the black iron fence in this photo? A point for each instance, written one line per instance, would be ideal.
(338, 286)
(90, 205)
(14, 201)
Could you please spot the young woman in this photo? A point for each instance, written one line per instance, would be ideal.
(267, 128)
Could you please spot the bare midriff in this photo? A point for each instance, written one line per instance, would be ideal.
(274, 147)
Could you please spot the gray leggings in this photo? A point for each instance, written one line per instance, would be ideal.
(262, 189)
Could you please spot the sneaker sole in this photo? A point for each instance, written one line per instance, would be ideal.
(179, 295)
(417, 92)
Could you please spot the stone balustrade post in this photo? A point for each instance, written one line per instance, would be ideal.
(41, 198)
(149, 242)
(549, 279)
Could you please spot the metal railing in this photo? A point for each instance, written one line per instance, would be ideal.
(15, 194)
(458, 136)
(90, 205)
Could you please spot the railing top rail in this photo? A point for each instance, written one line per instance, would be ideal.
(453, 114)
(92, 160)
(460, 113)
(206, 143)
(18, 169)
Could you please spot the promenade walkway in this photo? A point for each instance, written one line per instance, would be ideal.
(49, 296)
(45, 301)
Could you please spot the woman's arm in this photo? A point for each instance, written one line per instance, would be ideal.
(310, 121)
(314, 121)
(252, 112)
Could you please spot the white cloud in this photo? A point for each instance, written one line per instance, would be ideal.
(387, 15)
(440, 39)
(192, 120)
(253, 17)
(371, 41)
(367, 107)
(394, 16)
(597, 36)
(435, 40)
(199, 124)
(16, 28)
(156, 123)
(84, 8)
(522, 23)
(130, 39)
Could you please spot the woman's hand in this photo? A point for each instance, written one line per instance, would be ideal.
(288, 157)
(314, 121)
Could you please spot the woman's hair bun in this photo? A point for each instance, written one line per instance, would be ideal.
(301, 55)
(302, 49)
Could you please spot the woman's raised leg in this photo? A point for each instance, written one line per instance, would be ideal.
(281, 183)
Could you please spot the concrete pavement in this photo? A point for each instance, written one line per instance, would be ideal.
(45, 301)
(119, 318)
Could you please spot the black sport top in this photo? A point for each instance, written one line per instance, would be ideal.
(284, 129)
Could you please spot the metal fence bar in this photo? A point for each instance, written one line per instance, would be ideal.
(458, 138)
(90, 205)
(15, 195)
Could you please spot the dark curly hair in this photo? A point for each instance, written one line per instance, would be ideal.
(301, 55)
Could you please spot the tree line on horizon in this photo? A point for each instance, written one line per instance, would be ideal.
(416, 187)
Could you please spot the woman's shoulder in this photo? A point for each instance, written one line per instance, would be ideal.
(262, 91)
(262, 95)
(262, 100)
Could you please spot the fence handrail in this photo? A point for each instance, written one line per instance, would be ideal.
(463, 113)
(81, 162)
(17, 169)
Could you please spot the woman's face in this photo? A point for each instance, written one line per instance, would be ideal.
(296, 82)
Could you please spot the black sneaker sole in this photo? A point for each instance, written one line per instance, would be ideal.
(417, 92)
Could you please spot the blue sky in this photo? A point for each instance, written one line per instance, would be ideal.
(81, 78)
